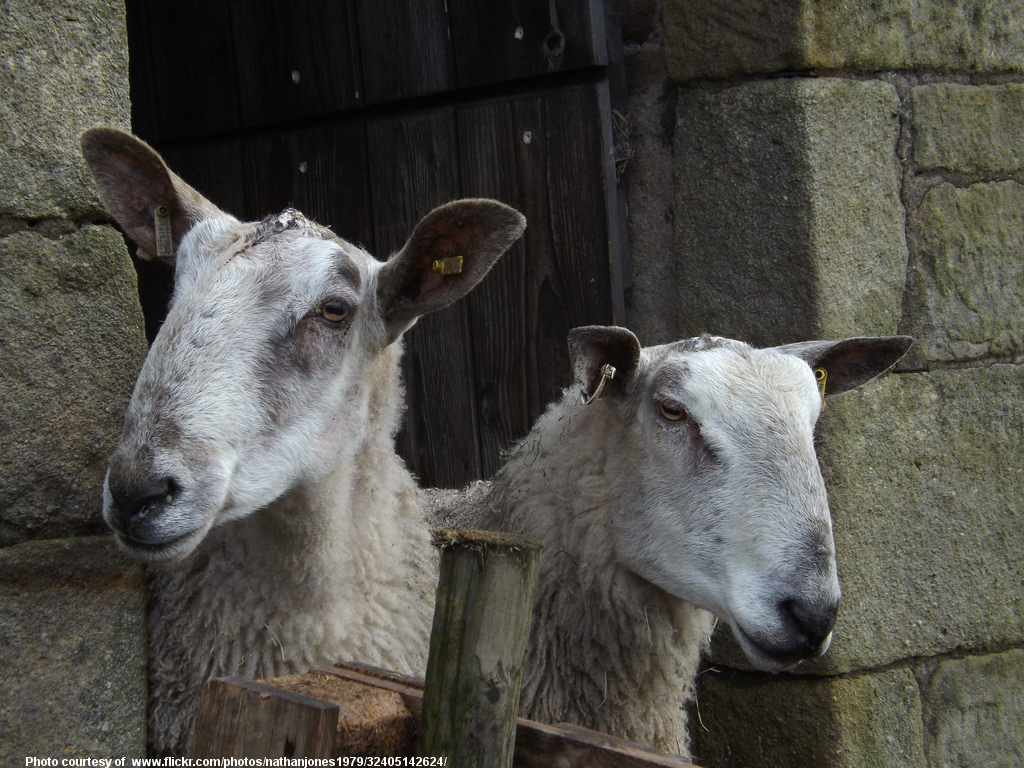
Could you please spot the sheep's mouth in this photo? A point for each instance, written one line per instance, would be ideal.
(777, 657)
(164, 550)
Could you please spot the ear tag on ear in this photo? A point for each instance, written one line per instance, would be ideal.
(607, 373)
(449, 265)
(821, 376)
(162, 230)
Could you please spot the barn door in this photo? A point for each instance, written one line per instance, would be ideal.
(367, 114)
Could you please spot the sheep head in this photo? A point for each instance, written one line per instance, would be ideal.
(277, 355)
(729, 509)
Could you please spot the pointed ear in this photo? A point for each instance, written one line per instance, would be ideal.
(448, 253)
(850, 362)
(153, 206)
(593, 346)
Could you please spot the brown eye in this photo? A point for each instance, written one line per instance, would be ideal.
(671, 413)
(333, 311)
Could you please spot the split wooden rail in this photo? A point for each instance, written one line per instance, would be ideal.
(467, 711)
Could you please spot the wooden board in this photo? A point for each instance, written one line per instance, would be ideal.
(367, 722)
(515, 39)
(209, 89)
(247, 719)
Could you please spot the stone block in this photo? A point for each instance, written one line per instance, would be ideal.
(760, 721)
(926, 485)
(971, 273)
(970, 129)
(649, 188)
(71, 348)
(788, 220)
(724, 38)
(63, 68)
(72, 651)
(974, 711)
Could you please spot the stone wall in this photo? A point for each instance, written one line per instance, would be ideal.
(858, 168)
(72, 650)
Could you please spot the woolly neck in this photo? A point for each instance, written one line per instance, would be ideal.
(609, 650)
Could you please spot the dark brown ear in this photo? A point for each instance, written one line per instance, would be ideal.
(448, 253)
(153, 206)
(848, 363)
(592, 347)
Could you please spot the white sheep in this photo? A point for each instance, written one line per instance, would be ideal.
(686, 487)
(257, 467)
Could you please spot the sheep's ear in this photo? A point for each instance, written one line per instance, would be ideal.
(850, 362)
(592, 347)
(153, 206)
(448, 253)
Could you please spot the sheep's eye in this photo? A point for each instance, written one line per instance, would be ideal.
(671, 413)
(333, 311)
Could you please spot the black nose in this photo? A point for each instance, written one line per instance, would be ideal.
(136, 500)
(812, 619)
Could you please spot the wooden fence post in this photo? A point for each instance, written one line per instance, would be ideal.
(477, 647)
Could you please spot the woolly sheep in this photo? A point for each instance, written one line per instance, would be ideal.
(687, 487)
(257, 469)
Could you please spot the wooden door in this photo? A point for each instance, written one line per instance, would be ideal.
(367, 114)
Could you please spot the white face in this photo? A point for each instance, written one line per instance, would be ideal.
(733, 514)
(251, 385)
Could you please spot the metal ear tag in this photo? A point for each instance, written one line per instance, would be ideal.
(821, 376)
(607, 373)
(450, 265)
(162, 233)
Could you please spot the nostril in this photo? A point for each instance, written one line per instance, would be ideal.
(136, 499)
(150, 495)
(814, 620)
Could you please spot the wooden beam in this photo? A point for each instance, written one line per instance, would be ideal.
(477, 647)
(241, 718)
(538, 745)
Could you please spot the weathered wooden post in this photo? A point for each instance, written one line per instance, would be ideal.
(477, 646)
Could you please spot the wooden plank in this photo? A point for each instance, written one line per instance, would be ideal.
(413, 162)
(321, 171)
(498, 42)
(404, 48)
(140, 70)
(192, 78)
(214, 168)
(372, 720)
(295, 62)
(247, 719)
(504, 363)
(478, 646)
(538, 745)
(545, 154)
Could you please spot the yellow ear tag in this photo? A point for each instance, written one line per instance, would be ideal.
(821, 376)
(450, 265)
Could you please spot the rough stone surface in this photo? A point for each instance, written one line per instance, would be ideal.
(722, 38)
(71, 347)
(63, 68)
(974, 711)
(648, 183)
(72, 651)
(788, 218)
(761, 721)
(972, 272)
(970, 129)
(926, 485)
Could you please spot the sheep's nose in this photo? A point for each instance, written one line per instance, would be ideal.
(135, 501)
(812, 619)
